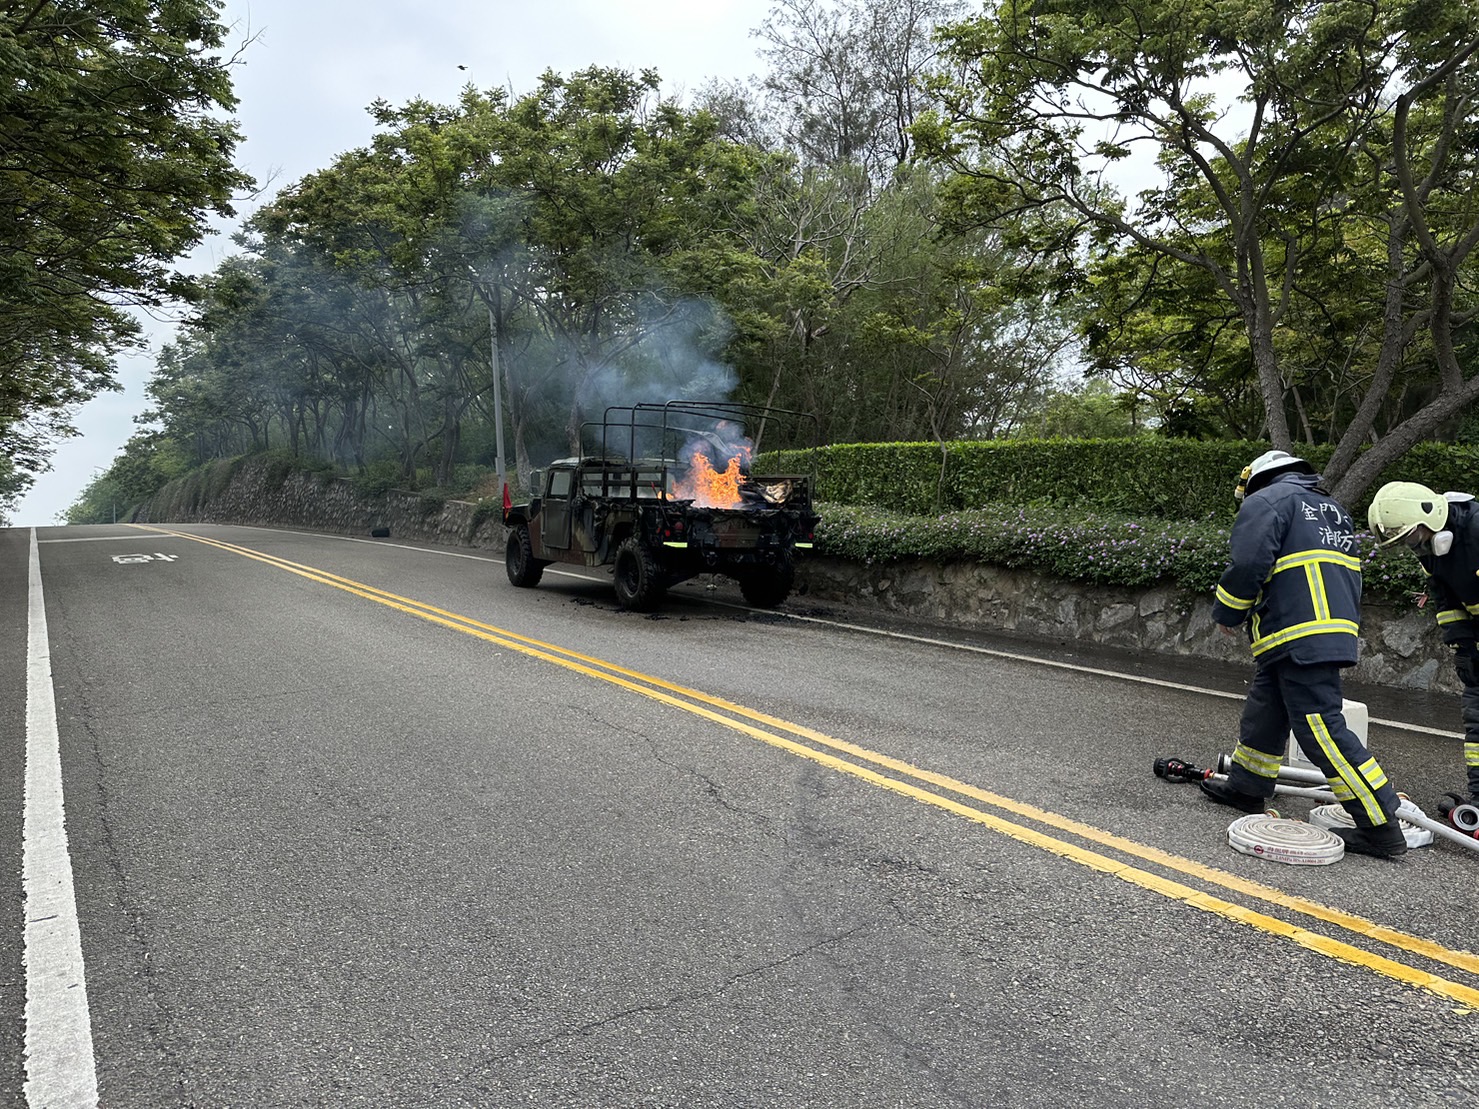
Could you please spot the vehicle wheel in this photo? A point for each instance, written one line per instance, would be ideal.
(518, 558)
(768, 586)
(639, 584)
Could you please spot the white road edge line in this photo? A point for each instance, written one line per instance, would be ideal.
(1080, 669)
(60, 1072)
(1119, 675)
(131, 537)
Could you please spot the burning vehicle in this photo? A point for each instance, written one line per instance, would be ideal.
(664, 494)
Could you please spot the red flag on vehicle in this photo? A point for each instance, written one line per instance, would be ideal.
(507, 501)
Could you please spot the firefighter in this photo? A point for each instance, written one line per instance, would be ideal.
(1443, 531)
(1295, 580)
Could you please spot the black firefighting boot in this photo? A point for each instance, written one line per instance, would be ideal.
(1219, 790)
(1385, 841)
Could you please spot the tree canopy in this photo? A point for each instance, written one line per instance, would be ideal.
(114, 151)
(1248, 221)
(1316, 181)
(615, 246)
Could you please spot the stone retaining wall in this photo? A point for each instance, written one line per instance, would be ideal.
(1398, 648)
(319, 502)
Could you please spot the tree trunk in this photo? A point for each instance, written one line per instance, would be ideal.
(1417, 428)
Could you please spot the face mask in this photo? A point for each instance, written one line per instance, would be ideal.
(1438, 546)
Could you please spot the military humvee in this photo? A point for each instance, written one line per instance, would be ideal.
(664, 494)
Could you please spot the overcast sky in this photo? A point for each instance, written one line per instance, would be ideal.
(314, 65)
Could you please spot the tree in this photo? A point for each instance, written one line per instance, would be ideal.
(147, 462)
(1347, 161)
(1091, 411)
(845, 80)
(113, 153)
(581, 226)
(884, 323)
(12, 485)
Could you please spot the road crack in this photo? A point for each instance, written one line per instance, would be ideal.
(590, 1027)
(161, 1031)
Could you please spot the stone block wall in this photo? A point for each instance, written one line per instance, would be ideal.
(318, 502)
(1398, 648)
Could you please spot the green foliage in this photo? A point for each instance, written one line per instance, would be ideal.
(1092, 411)
(116, 153)
(1303, 256)
(13, 483)
(146, 464)
(214, 479)
(1081, 545)
(431, 503)
(276, 466)
(1144, 476)
(1100, 548)
(378, 478)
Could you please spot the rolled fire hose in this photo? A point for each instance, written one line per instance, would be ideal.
(1284, 841)
(1334, 816)
(1406, 810)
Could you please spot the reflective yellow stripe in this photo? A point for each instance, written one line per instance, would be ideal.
(1452, 616)
(1341, 790)
(1373, 773)
(1471, 754)
(1313, 563)
(1235, 603)
(1318, 597)
(1299, 631)
(1348, 773)
(1473, 609)
(1256, 762)
(1310, 558)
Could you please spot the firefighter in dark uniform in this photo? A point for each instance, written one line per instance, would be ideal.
(1295, 579)
(1443, 530)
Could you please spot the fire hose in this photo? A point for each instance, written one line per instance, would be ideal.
(1463, 816)
(1295, 781)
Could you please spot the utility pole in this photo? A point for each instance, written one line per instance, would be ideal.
(497, 407)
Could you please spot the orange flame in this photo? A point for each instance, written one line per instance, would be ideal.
(711, 488)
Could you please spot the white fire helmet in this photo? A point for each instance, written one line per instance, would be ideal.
(1400, 506)
(1257, 473)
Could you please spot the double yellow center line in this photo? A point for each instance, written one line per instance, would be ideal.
(946, 793)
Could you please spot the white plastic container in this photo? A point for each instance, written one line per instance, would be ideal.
(1356, 718)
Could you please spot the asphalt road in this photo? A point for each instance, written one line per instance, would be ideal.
(358, 823)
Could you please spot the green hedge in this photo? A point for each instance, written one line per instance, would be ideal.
(1173, 479)
(1074, 544)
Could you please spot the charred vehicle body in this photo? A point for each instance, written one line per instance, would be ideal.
(664, 494)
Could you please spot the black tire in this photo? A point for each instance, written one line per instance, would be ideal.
(524, 570)
(638, 580)
(768, 586)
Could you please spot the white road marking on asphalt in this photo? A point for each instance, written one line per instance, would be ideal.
(132, 559)
(1077, 668)
(131, 537)
(59, 1063)
(1120, 675)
